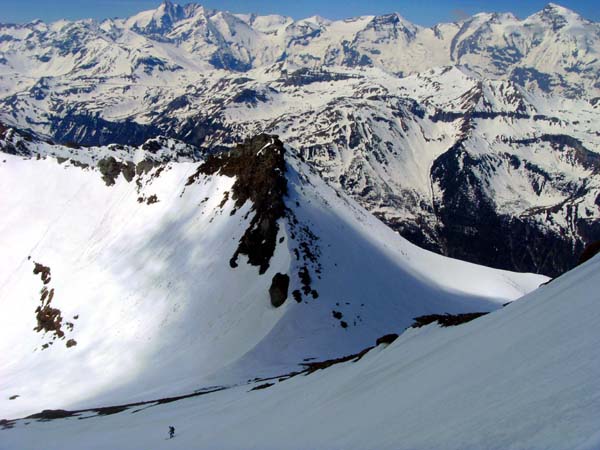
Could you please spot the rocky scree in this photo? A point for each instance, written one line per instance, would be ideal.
(49, 319)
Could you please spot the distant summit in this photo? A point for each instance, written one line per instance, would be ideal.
(198, 38)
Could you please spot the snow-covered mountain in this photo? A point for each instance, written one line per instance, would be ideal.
(479, 170)
(205, 222)
(160, 275)
(130, 274)
(463, 137)
(555, 49)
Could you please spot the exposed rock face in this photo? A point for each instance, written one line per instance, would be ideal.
(471, 226)
(110, 169)
(259, 168)
(387, 339)
(446, 320)
(279, 289)
(94, 130)
(49, 319)
(590, 251)
(43, 271)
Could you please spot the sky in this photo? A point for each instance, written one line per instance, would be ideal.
(422, 12)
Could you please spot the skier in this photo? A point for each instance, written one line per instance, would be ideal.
(171, 432)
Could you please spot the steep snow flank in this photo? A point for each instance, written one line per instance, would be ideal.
(122, 273)
(141, 277)
(525, 376)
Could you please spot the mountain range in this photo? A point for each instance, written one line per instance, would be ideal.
(465, 137)
(552, 50)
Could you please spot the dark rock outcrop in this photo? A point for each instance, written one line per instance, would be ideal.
(110, 169)
(262, 386)
(589, 252)
(259, 168)
(43, 271)
(279, 289)
(446, 320)
(387, 339)
(311, 367)
(51, 414)
(250, 96)
(305, 76)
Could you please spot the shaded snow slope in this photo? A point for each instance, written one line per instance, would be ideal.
(523, 377)
(139, 274)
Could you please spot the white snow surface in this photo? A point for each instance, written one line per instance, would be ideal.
(156, 309)
(159, 310)
(523, 377)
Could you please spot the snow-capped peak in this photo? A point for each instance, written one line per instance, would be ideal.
(556, 16)
(157, 21)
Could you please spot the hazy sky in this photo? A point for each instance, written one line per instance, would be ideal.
(423, 12)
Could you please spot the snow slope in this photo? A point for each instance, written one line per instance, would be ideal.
(140, 269)
(523, 377)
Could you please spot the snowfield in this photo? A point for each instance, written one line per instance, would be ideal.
(155, 308)
(525, 376)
